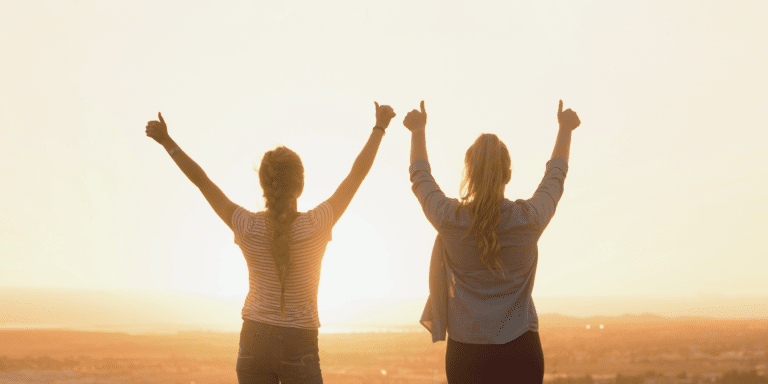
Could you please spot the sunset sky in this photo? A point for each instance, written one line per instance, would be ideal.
(665, 195)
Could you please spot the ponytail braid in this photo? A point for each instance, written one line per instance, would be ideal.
(281, 175)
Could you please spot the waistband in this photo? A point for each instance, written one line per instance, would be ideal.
(270, 328)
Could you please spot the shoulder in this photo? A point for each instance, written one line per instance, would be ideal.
(450, 212)
(316, 221)
(244, 220)
(321, 212)
(241, 218)
(520, 212)
(248, 226)
(244, 214)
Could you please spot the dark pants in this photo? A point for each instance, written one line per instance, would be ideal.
(272, 354)
(518, 361)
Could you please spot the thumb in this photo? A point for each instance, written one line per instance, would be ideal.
(422, 108)
(160, 116)
(560, 108)
(377, 106)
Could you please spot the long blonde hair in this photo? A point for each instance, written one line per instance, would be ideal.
(281, 175)
(487, 169)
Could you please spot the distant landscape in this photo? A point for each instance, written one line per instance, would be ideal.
(157, 311)
(628, 349)
(81, 336)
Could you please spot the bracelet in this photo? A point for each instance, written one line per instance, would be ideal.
(173, 150)
(383, 131)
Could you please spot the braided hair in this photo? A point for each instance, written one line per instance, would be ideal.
(281, 175)
(487, 169)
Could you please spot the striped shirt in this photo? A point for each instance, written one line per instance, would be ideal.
(310, 233)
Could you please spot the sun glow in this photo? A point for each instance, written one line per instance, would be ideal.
(356, 265)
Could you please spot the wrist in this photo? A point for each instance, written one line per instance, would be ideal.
(168, 144)
(379, 129)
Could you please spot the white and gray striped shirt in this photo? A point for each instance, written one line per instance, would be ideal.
(310, 233)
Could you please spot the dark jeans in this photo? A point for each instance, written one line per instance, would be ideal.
(518, 361)
(272, 354)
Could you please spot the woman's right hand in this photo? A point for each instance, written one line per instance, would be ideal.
(567, 119)
(415, 120)
(384, 115)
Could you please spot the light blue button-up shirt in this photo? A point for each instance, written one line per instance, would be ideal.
(473, 304)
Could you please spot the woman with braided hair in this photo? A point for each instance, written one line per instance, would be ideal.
(485, 255)
(283, 249)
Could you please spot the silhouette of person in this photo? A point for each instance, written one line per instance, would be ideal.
(485, 255)
(283, 249)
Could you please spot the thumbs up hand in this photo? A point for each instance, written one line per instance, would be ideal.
(416, 119)
(567, 119)
(158, 130)
(384, 114)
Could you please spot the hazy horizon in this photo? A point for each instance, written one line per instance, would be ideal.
(156, 311)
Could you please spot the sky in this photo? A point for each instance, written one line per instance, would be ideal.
(664, 196)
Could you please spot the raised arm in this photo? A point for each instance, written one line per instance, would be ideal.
(346, 191)
(220, 203)
(432, 200)
(550, 190)
(416, 122)
(568, 121)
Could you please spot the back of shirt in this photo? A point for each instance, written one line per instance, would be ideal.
(483, 307)
(310, 234)
(492, 307)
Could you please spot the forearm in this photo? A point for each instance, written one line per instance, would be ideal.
(191, 169)
(562, 144)
(418, 145)
(364, 160)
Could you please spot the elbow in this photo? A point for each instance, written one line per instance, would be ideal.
(359, 172)
(198, 178)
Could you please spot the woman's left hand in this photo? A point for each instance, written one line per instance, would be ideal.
(158, 130)
(384, 114)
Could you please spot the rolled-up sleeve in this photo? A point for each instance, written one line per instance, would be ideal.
(550, 190)
(433, 202)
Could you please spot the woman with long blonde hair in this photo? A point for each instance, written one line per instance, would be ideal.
(283, 249)
(484, 259)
